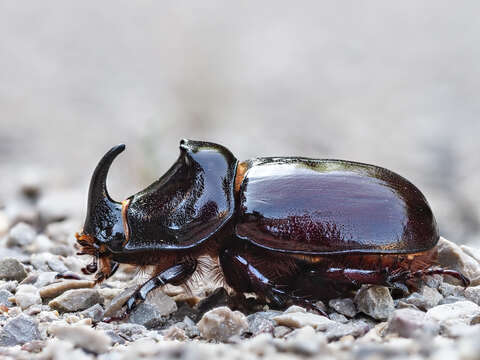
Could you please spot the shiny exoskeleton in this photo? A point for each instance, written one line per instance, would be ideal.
(290, 229)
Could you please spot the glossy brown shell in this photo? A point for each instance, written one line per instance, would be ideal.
(188, 204)
(308, 206)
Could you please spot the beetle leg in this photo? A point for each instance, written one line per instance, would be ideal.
(175, 275)
(115, 266)
(408, 275)
(244, 276)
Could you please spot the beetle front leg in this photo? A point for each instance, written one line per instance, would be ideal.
(175, 275)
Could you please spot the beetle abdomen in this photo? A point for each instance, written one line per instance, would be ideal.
(309, 206)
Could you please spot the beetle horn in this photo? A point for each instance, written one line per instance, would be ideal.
(101, 208)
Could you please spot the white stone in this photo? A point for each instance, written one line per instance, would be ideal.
(301, 319)
(222, 323)
(59, 349)
(21, 234)
(451, 256)
(82, 336)
(26, 296)
(458, 312)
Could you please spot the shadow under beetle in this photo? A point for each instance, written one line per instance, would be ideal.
(290, 229)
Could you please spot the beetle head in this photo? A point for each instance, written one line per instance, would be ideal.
(103, 229)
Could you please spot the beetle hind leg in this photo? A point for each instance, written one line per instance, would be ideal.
(406, 275)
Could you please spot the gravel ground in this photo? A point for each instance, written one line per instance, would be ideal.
(46, 317)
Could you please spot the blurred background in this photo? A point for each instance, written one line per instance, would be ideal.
(390, 83)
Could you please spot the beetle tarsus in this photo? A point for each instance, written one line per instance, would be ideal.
(403, 276)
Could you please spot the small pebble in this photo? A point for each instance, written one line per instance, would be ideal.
(19, 330)
(94, 312)
(154, 311)
(48, 262)
(83, 336)
(58, 288)
(4, 296)
(472, 293)
(26, 296)
(458, 312)
(76, 300)
(411, 323)
(301, 319)
(222, 323)
(12, 269)
(118, 301)
(375, 301)
(343, 306)
(280, 331)
(425, 299)
(261, 322)
(451, 256)
(21, 234)
(305, 342)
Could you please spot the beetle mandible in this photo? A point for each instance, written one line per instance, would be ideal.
(290, 229)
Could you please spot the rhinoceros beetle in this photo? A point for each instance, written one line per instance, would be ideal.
(290, 229)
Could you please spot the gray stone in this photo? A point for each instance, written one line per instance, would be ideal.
(76, 300)
(48, 262)
(411, 323)
(4, 296)
(83, 336)
(425, 299)
(375, 301)
(45, 278)
(338, 317)
(472, 293)
(95, 313)
(147, 315)
(21, 234)
(447, 289)
(261, 322)
(12, 269)
(219, 297)
(115, 338)
(154, 311)
(118, 301)
(19, 330)
(353, 328)
(222, 323)
(191, 329)
(131, 332)
(343, 306)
